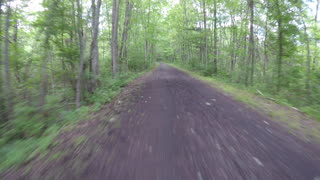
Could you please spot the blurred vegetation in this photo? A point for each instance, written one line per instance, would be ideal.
(32, 130)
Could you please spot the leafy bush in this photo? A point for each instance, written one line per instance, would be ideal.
(22, 150)
(31, 121)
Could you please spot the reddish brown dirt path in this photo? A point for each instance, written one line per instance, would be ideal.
(181, 129)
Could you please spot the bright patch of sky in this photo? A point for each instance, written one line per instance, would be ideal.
(35, 5)
(32, 6)
(312, 6)
(174, 2)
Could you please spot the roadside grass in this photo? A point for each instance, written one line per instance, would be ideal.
(15, 151)
(304, 123)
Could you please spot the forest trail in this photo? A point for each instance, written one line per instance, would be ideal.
(182, 129)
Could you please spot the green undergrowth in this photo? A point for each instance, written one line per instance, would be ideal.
(33, 130)
(277, 108)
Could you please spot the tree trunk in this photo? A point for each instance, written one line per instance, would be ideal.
(146, 52)
(114, 38)
(15, 48)
(215, 50)
(233, 44)
(2, 91)
(82, 54)
(94, 49)
(126, 28)
(251, 42)
(266, 57)
(308, 64)
(7, 73)
(205, 33)
(315, 42)
(280, 47)
(44, 78)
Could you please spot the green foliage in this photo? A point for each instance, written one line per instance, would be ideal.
(34, 128)
(30, 121)
(312, 111)
(22, 150)
(110, 88)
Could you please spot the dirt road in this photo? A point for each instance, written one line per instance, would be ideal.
(182, 129)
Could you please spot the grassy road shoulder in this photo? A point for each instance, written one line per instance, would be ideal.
(297, 122)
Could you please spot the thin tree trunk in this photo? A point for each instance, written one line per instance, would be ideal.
(315, 42)
(146, 55)
(44, 78)
(280, 47)
(126, 25)
(266, 57)
(308, 64)
(205, 33)
(94, 49)
(16, 49)
(2, 91)
(215, 50)
(251, 41)
(114, 38)
(82, 55)
(6, 52)
(233, 45)
(146, 43)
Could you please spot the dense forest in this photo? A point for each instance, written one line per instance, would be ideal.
(62, 58)
(269, 45)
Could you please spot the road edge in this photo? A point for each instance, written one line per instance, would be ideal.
(294, 121)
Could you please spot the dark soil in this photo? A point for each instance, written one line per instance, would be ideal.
(175, 127)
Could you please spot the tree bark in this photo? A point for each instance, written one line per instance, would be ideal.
(44, 78)
(265, 50)
(7, 73)
(280, 46)
(308, 63)
(315, 42)
(82, 54)
(233, 44)
(126, 28)
(205, 33)
(94, 49)
(2, 100)
(16, 49)
(251, 42)
(215, 50)
(114, 38)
